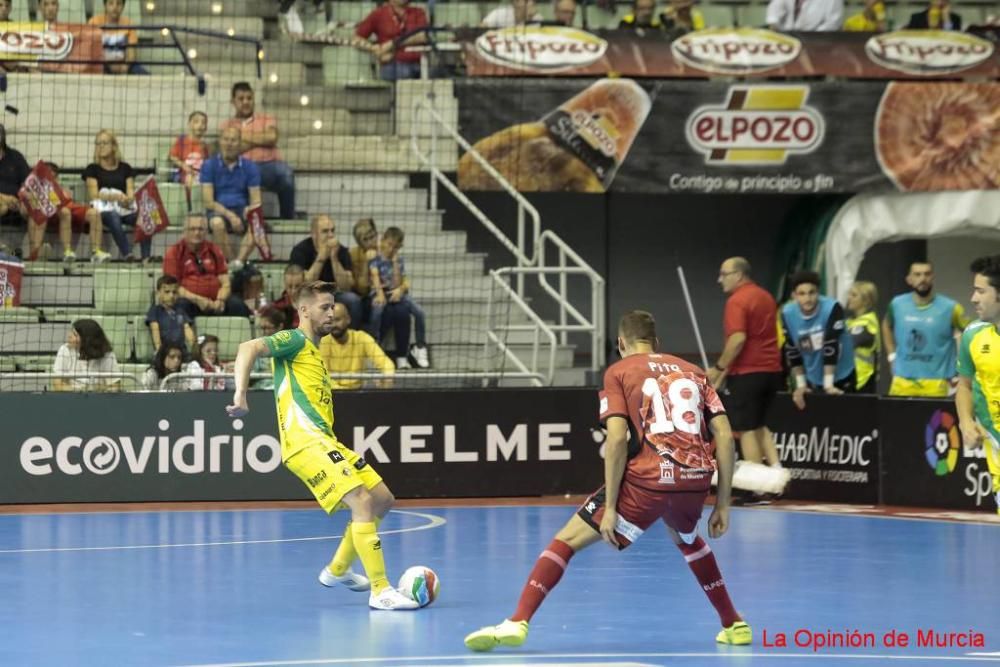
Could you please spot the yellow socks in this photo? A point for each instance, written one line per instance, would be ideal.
(346, 553)
(369, 549)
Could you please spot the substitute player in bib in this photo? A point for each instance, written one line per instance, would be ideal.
(977, 399)
(919, 331)
(664, 474)
(335, 474)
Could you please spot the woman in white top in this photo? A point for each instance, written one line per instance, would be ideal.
(86, 350)
(205, 359)
(518, 12)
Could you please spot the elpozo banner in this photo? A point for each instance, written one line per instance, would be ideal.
(182, 446)
(65, 48)
(617, 134)
(561, 51)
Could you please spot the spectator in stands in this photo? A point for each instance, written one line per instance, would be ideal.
(348, 351)
(269, 321)
(518, 12)
(293, 278)
(49, 11)
(564, 11)
(863, 326)
(919, 331)
(938, 16)
(77, 216)
(201, 270)
(680, 17)
(392, 304)
(205, 359)
(189, 152)
(166, 361)
(811, 16)
(389, 22)
(870, 19)
(5, 10)
(86, 350)
(168, 324)
(642, 17)
(323, 258)
(119, 45)
(248, 285)
(365, 250)
(259, 142)
(111, 189)
(13, 170)
(230, 187)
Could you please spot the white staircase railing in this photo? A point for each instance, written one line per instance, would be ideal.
(530, 257)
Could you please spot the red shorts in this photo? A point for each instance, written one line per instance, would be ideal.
(639, 508)
(78, 214)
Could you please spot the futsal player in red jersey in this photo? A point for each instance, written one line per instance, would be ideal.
(680, 434)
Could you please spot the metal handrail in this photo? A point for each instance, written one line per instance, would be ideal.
(569, 262)
(33, 375)
(363, 375)
(525, 256)
(539, 327)
(597, 305)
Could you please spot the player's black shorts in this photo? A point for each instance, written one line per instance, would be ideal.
(747, 398)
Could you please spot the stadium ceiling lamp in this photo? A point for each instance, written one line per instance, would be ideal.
(260, 54)
(304, 100)
(150, 6)
(216, 7)
(273, 78)
(192, 53)
(165, 32)
(231, 32)
(317, 124)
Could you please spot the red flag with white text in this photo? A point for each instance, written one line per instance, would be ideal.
(255, 218)
(41, 195)
(151, 216)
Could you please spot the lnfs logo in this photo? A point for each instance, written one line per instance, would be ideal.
(757, 125)
(942, 442)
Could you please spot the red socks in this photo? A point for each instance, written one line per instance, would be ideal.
(701, 560)
(544, 576)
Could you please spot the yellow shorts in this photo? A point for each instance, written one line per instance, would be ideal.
(331, 471)
(926, 388)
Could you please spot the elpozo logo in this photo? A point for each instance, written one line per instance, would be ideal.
(942, 442)
(928, 52)
(542, 49)
(30, 41)
(757, 125)
(736, 50)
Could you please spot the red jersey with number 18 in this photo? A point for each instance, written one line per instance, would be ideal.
(668, 403)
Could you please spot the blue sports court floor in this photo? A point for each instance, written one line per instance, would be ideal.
(239, 588)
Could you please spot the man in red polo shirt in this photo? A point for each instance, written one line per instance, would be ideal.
(388, 22)
(201, 269)
(749, 367)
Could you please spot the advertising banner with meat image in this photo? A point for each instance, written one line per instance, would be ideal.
(572, 135)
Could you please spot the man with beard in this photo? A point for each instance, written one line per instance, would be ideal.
(348, 350)
(335, 474)
(919, 331)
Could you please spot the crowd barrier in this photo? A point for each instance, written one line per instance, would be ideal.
(475, 443)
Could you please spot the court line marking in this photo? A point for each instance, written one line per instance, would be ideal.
(741, 655)
(433, 521)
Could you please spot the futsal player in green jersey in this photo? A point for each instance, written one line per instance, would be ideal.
(335, 474)
(977, 400)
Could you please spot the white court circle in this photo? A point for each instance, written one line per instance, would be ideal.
(433, 521)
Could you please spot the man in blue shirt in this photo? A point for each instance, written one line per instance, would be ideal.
(818, 347)
(920, 330)
(230, 188)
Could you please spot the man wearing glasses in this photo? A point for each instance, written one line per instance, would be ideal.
(748, 372)
(201, 269)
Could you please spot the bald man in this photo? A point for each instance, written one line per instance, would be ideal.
(322, 257)
(748, 371)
